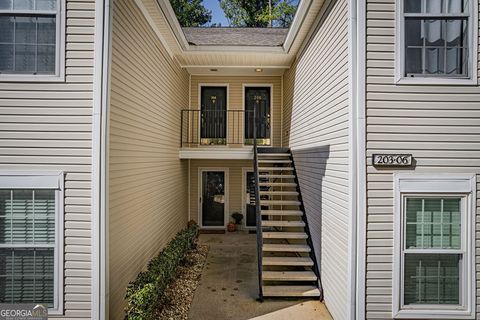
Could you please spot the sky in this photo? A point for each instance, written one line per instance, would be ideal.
(217, 13)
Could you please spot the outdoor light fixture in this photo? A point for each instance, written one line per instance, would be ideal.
(258, 70)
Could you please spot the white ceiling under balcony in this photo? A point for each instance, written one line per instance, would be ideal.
(212, 59)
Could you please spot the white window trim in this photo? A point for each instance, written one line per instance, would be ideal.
(440, 184)
(400, 79)
(59, 75)
(55, 180)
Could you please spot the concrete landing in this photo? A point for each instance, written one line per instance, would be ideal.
(228, 288)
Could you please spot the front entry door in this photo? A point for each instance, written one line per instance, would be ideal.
(257, 99)
(213, 115)
(213, 198)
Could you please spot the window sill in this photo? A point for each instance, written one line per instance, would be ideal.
(436, 81)
(434, 314)
(31, 78)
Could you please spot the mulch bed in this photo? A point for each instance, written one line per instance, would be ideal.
(179, 294)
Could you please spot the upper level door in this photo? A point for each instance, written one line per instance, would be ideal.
(257, 99)
(213, 120)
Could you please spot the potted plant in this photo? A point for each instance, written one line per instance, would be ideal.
(231, 227)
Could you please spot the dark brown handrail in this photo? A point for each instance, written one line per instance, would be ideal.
(258, 213)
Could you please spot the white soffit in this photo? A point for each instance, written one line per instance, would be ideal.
(235, 71)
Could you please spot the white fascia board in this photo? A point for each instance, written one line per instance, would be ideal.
(296, 24)
(245, 153)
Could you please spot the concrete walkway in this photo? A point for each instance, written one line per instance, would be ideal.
(228, 288)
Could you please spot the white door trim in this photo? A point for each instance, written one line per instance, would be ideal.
(260, 85)
(200, 195)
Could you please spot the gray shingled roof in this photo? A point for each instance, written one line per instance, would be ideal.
(229, 36)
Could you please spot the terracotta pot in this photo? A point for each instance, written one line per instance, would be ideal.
(231, 227)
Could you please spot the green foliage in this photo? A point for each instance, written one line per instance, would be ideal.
(146, 294)
(281, 15)
(247, 13)
(191, 13)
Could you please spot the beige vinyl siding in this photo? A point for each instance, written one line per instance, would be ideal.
(440, 126)
(315, 122)
(235, 189)
(147, 181)
(236, 97)
(48, 126)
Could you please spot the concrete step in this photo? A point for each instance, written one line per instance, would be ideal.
(284, 235)
(279, 193)
(278, 223)
(287, 261)
(290, 291)
(280, 203)
(297, 213)
(272, 247)
(277, 184)
(289, 276)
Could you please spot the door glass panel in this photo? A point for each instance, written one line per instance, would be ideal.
(257, 100)
(213, 198)
(250, 208)
(213, 116)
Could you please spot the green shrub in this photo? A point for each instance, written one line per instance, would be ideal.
(146, 294)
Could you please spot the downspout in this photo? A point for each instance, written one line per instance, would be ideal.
(99, 307)
(353, 158)
(359, 13)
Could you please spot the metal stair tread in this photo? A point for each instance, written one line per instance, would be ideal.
(274, 161)
(277, 184)
(287, 261)
(290, 291)
(280, 202)
(279, 193)
(280, 223)
(276, 168)
(275, 247)
(284, 235)
(277, 176)
(289, 276)
(282, 213)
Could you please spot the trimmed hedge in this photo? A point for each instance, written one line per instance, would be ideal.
(145, 294)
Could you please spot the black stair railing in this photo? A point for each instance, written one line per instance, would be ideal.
(258, 213)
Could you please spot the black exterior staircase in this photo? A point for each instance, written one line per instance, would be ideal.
(287, 266)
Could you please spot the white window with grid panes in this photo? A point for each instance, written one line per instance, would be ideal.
(31, 40)
(436, 39)
(31, 239)
(434, 236)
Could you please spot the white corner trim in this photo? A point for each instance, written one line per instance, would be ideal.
(102, 58)
(154, 27)
(399, 54)
(440, 184)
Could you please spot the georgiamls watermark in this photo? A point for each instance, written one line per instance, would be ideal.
(23, 311)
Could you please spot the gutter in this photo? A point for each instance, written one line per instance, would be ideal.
(99, 307)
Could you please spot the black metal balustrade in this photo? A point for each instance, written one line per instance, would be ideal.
(222, 127)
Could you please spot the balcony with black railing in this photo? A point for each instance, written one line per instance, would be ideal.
(231, 129)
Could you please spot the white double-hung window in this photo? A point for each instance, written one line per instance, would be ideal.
(436, 41)
(434, 238)
(31, 40)
(31, 239)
